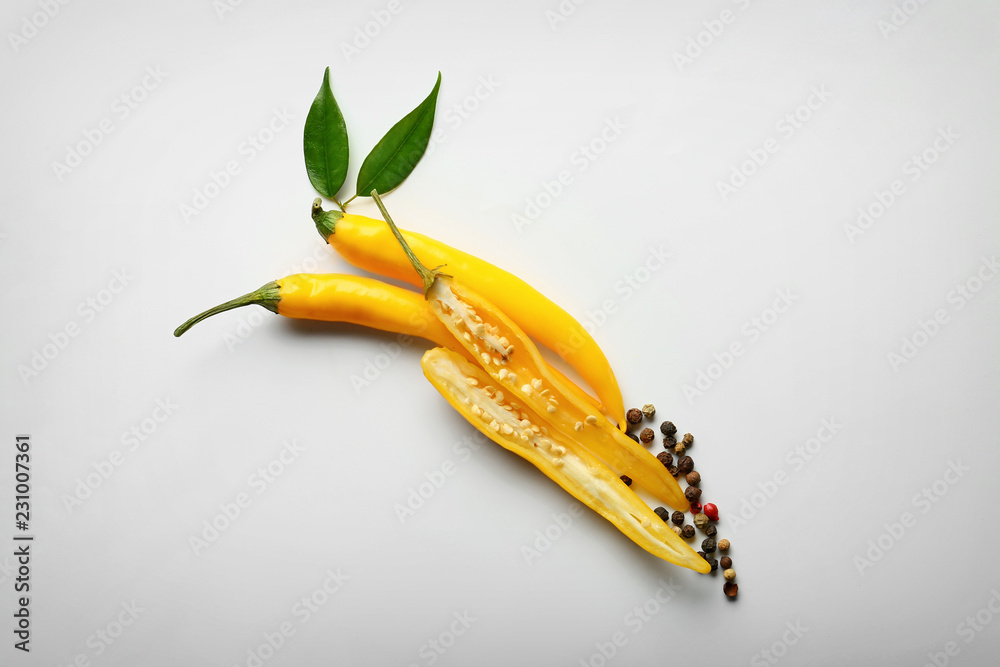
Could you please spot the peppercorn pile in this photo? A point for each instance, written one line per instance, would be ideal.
(704, 517)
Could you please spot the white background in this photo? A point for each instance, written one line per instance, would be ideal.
(817, 552)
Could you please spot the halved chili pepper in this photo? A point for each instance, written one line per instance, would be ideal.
(511, 358)
(519, 429)
(368, 244)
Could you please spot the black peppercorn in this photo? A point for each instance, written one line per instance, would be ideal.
(711, 530)
(694, 478)
(703, 555)
(685, 465)
(633, 436)
(663, 513)
(687, 532)
(708, 544)
(646, 436)
(713, 562)
(633, 416)
(677, 518)
(669, 441)
(666, 458)
(674, 471)
(627, 480)
(668, 428)
(726, 562)
(692, 493)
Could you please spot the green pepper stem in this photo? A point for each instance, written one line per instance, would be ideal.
(427, 275)
(326, 221)
(267, 296)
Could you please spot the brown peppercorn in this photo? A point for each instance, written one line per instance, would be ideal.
(711, 530)
(726, 561)
(648, 411)
(674, 471)
(688, 439)
(723, 545)
(666, 458)
(693, 478)
(678, 518)
(646, 436)
(729, 573)
(633, 416)
(708, 544)
(679, 449)
(692, 493)
(627, 480)
(701, 520)
(685, 465)
(731, 589)
(669, 441)
(687, 532)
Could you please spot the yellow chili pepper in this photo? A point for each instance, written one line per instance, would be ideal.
(368, 244)
(334, 297)
(518, 429)
(510, 357)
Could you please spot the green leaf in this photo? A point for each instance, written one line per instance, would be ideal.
(397, 153)
(325, 142)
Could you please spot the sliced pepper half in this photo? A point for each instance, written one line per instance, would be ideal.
(519, 429)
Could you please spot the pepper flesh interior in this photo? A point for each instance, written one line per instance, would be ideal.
(514, 362)
(519, 429)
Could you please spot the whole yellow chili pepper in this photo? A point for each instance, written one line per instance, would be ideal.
(501, 347)
(334, 297)
(368, 244)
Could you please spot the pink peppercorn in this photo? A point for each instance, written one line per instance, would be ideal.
(711, 511)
